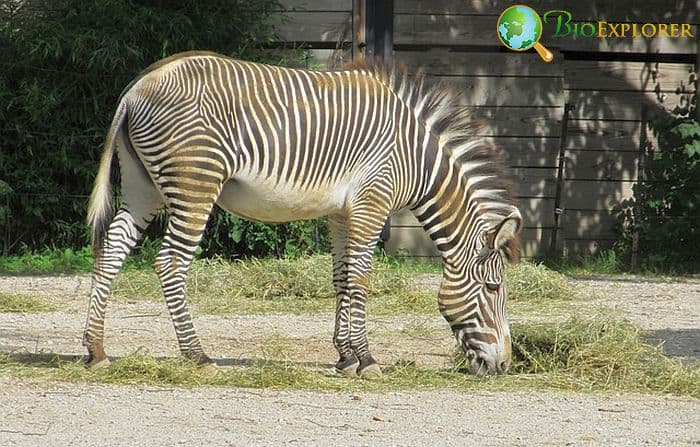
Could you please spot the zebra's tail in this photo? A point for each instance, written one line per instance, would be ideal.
(100, 208)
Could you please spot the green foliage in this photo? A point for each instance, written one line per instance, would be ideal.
(227, 234)
(606, 262)
(47, 261)
(64, 64)
(669, 199)
(52, 261)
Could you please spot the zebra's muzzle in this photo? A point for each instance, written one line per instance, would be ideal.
(485, 363)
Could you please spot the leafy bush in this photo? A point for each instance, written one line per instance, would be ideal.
(669, 199)
(227, 234)
(64, 64)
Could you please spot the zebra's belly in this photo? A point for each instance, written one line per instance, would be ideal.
(266, 202)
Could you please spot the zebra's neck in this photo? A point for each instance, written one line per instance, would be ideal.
(464, 195)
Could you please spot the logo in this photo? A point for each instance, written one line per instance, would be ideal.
(605, 30)
(520, 28)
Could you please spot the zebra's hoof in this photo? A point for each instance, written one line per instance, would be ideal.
(96, 355)
(99, 363)
(371, 372)
(348, 367)
(209, 369)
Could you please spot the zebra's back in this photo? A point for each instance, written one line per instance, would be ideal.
(292, 141)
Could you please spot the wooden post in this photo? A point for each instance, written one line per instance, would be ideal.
(378, 34)
(379, 28)
(639, 190)
(697, 79)
(358, 29)
(558, 210)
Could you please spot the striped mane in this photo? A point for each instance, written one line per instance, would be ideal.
(437, 107)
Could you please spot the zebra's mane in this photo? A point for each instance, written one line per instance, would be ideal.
(437, 107)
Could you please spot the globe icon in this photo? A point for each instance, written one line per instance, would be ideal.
(520, 28)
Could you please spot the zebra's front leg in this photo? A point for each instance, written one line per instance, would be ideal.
(350, 337)
(368, 367)
(354, 240)
(347, 363)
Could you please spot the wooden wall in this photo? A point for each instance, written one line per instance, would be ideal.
(521, 99)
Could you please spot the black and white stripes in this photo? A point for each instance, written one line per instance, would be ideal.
(275, 145)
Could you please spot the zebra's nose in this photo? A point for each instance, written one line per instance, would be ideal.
(484, 364)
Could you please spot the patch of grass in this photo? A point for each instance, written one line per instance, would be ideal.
(615, 262)
(47, 261)
(57, 261)
(607, 262)
(597, 354)
(17, 302)
(408, 264)
(142, 368)
(535, 282)
(298, 286)
(303, 285)
(579, 355)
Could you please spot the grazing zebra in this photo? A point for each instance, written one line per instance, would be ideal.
(275, 145)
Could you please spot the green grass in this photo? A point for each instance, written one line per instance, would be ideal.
(408, 264)
(17, 302)
(580, 355)
(47, 261)
(600, 353)
(303, 286)
(299, 286)
(607, 262)
(55, 261)
(612, 262)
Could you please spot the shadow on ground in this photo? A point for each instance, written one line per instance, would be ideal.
(50, 360)
(681, 343)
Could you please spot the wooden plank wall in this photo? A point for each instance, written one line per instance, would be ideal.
(520, 99)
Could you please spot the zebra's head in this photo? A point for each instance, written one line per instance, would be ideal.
(476, 309)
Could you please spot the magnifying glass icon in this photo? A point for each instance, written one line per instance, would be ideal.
(519, 28)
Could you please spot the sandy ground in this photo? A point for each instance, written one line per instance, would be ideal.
(49, 414)
(39, 413)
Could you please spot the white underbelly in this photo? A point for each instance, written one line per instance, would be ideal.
(267, 202)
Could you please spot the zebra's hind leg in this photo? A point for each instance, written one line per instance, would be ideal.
(186, 223)
(123, 234)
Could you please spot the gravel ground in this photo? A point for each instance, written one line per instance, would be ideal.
(40, 413)
(49, 414)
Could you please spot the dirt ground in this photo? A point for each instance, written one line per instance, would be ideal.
(39, 413)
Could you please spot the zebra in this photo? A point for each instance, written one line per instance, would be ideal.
(277, 144)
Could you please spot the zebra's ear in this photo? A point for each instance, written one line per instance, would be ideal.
(506, 231)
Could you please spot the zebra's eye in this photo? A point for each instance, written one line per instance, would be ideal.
(492, 287)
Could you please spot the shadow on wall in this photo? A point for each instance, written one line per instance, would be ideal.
(520, 99)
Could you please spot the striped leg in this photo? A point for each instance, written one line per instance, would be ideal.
(141, 201)
(348, 362)
(186, 225)
(351, 273)
(123, 234)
